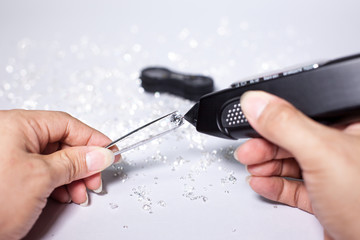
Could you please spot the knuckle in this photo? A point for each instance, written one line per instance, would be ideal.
(278, 167)
(277, 115)
(64, 115)
(296, 196)
(281, 192)
(290, 194)
(73, 168)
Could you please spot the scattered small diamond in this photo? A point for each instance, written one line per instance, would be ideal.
(146, 207)
(162, 203)
(113, 205)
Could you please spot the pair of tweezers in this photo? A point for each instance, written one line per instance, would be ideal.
(172, 120)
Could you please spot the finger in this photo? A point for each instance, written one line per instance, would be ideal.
(51, 126)
(279, 189)
(61, 194)
(258, 150)
(78, 193)
(74, 163)
(353, 129)
(282, 168)
(113, 149)
(94, 182)
(279, 122)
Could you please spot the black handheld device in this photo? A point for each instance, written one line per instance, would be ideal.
(327, 92)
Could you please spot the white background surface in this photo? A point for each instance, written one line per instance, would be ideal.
(84, 57)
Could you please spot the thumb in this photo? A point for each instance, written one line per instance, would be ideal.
(281, 123)
(73, 163)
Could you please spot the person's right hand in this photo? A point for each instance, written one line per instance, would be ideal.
(327, 159)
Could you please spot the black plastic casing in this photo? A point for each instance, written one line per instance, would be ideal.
(192, 87)
(329, 94)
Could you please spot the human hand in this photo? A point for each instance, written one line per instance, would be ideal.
(42, 151)
(294, 146)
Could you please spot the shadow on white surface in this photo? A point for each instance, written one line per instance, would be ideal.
(47, 219)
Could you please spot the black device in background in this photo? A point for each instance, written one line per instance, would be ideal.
(328, 92)
(192, 87)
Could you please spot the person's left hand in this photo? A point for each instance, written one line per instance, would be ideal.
(45, 153)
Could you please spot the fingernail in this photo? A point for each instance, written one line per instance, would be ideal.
(98, 159)
(247, 179)
(235, 154)
(246, 169)
(118, 158)
(253, 103)
(99, 190)
(86, 203)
